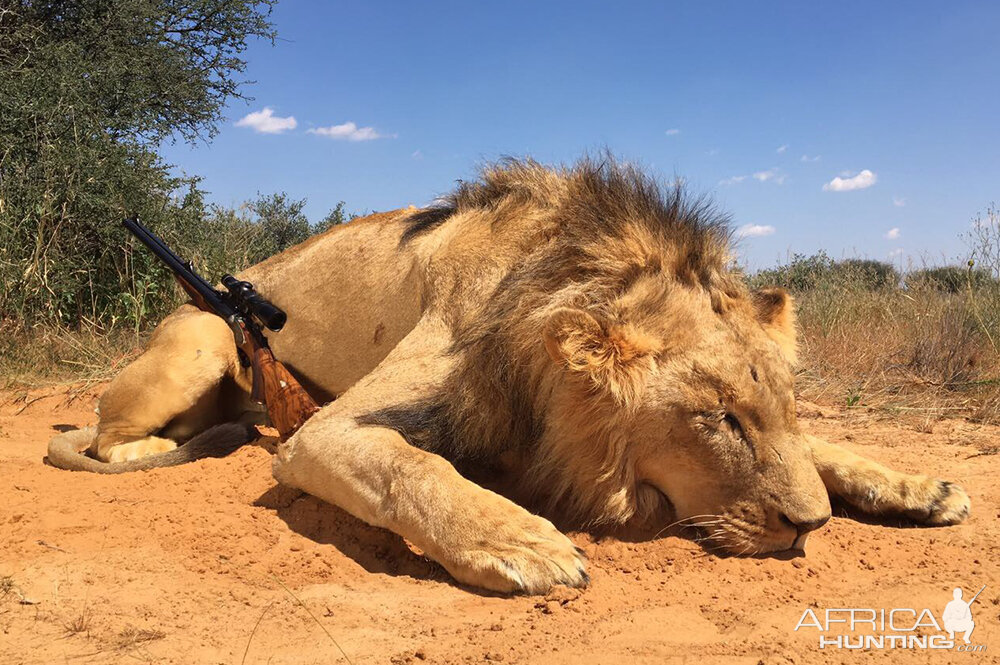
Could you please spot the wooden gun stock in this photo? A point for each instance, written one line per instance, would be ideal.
(289, 406)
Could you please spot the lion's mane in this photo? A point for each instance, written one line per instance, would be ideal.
(610, 240)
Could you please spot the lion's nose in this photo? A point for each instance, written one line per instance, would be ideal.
(803, 527)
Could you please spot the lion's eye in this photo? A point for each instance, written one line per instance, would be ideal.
(722, 421)
(734, 425)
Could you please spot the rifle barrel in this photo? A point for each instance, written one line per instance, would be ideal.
(179, 267)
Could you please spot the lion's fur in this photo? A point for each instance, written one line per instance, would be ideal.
(578, 327)
(609, 241)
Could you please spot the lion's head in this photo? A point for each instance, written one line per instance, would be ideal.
(705, 420)
(624, 358)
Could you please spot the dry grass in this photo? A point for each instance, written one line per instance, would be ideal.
(7, 586)
(918, 352)
(81, 623)
(41, 356)
(132, 637)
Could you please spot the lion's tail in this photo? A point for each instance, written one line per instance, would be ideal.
(65, 450)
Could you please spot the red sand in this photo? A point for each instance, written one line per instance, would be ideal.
(187, 565)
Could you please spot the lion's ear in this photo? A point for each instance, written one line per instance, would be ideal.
(776, 313)
(613, 356)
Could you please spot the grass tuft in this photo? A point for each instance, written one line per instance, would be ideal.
(131, 637)
(81, 623)
(7, 586)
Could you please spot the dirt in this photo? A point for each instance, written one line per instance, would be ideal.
(213, 563)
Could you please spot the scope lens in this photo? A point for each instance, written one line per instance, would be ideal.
(277, 321)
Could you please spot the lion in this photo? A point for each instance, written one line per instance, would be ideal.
(576, 328)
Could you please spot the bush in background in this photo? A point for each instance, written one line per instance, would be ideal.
(926, 343)
(868, 273)
(805, 273)
(950, 279)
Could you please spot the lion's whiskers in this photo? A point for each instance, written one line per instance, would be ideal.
(720, 534)
(715, 519)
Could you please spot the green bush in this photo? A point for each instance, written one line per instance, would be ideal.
(950, 279)
(801, 273)
(867, 273)
(807, 273)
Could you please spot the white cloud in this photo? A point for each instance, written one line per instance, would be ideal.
(896, 252)
(898, 201)
(782, 148)
(673, 132)
(713, 152)
(892, 234)
(349, 132)
(265, 122)
(807, 158)
(862, 180)
(754, 230)
(770, 174)
(416, 154)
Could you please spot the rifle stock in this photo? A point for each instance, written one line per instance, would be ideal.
(289, 406)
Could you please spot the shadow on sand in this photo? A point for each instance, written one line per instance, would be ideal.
(374, 549)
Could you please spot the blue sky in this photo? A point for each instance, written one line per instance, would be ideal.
(761, 105)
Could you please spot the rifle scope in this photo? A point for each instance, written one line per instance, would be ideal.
(248, 302)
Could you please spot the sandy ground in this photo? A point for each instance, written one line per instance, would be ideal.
(213, 563)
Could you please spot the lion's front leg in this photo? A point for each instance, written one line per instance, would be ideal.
(480, 537)
(372, 472)
(878, 490)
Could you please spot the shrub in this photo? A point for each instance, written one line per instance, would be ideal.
(801, 273)
(867, 273)
(807, 273)
(950, 279)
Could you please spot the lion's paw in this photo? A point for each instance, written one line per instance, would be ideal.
(525, 555)
(133, 450)
(950, 505)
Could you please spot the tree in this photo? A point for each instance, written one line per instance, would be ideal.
(335, 217)
(801, 273)
(281, 222)
(90, 88)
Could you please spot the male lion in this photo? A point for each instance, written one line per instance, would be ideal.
(575, 328)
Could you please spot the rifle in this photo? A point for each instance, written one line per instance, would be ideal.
(246, 312)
